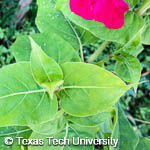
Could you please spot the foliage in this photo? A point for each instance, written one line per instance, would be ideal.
(51, 91)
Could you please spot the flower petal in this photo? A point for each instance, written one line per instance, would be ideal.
(82, 8)
(110, 12)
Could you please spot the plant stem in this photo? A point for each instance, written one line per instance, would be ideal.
(66, 135)
(142, 9)
(104, 60)
(100, 49)
(138, 120)
(81, 53)
(145, 73)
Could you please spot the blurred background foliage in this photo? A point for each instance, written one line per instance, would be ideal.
(136, 106)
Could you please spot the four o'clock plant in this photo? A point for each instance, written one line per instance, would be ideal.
(54, 91)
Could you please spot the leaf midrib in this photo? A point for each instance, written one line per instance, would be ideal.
(23, 93)
(17, 132)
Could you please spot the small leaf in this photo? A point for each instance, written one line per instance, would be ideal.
(128, 68)
(137, 50)
(133, 47)
(46, 71)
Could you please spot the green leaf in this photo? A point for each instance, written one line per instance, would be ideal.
(46, 71)
(21, 97)
(89, 89)
(50, 20)
(53, 45)
(53, 126)
(124, 132)
(90, 121)
(134, 47)
(133, 24)
(128, 68)
(85, 36)
(13, 132)
(145, 35)
(136, 51)
(144, 144)
(69, 132)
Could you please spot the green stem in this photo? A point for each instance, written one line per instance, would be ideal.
(97, 53)
(81, 53)
(104, 60)
(66, 135)
(138, 120)
(142, 9)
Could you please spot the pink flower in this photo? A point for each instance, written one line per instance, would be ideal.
(109, 12)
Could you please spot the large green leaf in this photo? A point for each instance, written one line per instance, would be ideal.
(128, 68)
(53, 45)
(13, 132)
(146, 35)
(89, 89)
(124, 132)
(46, 71)
(133, 23)
(50, 20)
(22, 101)
(69, 132)
(90, 121)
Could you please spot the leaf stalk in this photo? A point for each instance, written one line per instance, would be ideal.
(143, 8)
(98, 52)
